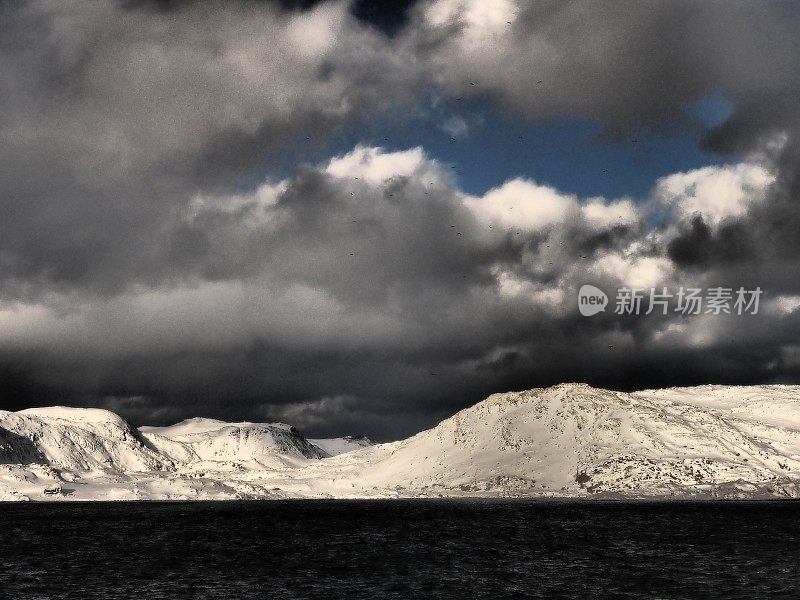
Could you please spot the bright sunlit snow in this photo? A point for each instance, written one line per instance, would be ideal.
(570, 440)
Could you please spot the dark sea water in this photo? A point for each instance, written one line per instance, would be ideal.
(400, 549)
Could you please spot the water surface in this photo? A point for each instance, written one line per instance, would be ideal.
(400, 549)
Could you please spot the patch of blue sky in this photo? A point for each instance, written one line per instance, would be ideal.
(567, 154)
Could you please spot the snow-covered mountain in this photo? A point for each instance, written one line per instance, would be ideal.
(569, 440)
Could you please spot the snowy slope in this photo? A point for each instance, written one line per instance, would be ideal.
(568, 440)
(776, 405)
(336, 446)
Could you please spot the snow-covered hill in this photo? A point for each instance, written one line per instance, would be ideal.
(574, 439)
(256, 445)
(568, 440)
(80, 440)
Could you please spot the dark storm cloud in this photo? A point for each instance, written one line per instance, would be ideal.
(697, 246)
(387, 15)
(625, 63)
(113, 117)
(156, 259)
(369, 271)
(371, 288)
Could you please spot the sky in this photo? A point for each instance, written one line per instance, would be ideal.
(361, 217)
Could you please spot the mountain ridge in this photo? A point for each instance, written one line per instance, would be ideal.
(568, 440)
